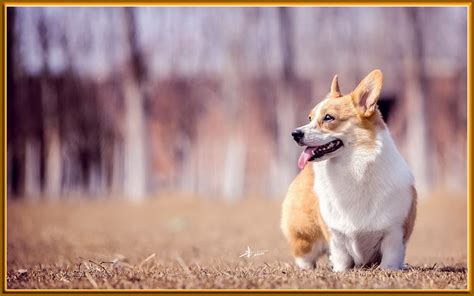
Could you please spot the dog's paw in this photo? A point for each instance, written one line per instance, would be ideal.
(340, 267)
(304, 263)
(342, 262)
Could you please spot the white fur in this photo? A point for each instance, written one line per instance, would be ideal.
(364, 191)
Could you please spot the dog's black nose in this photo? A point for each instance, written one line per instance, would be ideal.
(297, 135)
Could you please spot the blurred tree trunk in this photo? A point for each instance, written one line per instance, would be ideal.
(14, 143)
(234, 170)
(416, 138)
(234, 164)
(9, 176)
(235, 151)
(32, 169)
(285, 106)
(117, 182)
(134, 134)
(52, 142)
(25, 147)
(53, 165)
(455, 174)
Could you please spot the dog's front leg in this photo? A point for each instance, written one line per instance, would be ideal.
(341, 260)
(393, 249)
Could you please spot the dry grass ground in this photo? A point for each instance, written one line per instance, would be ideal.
(180, 242)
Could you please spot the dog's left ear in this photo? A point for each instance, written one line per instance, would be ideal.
(367, 93)
(335, 92)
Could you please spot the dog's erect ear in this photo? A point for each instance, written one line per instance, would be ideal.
(367, 93)
(335, 92)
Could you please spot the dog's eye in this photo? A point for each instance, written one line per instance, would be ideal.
(309, 117)
(328, 118)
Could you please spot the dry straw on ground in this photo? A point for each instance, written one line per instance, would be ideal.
(179, 242)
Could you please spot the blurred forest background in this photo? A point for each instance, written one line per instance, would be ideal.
(111, 101)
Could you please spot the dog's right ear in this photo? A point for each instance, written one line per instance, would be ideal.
(335, 92)
(367, 93)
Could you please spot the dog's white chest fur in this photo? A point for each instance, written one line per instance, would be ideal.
(364, 191)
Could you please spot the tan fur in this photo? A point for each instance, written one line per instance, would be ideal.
(366, 94)
(343, 110)
(410, 220)
(302, 223)
(335, 91)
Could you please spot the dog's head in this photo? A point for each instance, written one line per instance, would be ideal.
(340, 123)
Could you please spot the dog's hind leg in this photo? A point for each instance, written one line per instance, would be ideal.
(307, 252)
(301, 221)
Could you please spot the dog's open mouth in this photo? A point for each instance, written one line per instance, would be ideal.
(312, 153)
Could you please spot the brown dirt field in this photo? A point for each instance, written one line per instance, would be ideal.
(189, 243)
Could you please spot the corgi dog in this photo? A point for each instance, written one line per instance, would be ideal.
(355, 196)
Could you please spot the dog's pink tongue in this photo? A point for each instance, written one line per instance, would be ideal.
(304, 157)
